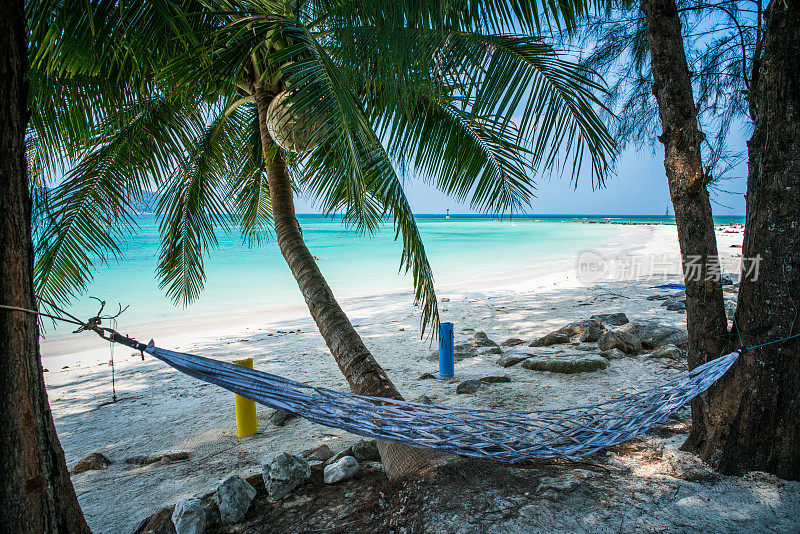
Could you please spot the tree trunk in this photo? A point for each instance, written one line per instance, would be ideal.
(672, 87)
(754, 411)
(364, 375)
(37, 495)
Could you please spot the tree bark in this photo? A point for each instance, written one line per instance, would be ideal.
(705, 311)
(36, 494)
(753, 420)
(363, 373)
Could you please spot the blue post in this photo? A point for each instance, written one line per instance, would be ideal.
(446, 359)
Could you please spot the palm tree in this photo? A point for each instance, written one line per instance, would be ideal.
(178, 97)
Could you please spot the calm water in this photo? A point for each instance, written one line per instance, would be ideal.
(239, 277)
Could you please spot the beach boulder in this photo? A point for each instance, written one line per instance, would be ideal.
(565, 364)
(189, 516)
(652, 334)
(162, 456)
(591, 334)
(512, 358)
(345, 468)
(495, 379)
(512, 342)
(93, 462)
(674, 305)
(366, 450)
(553, 338)
(576, 328)
(613, 354)
(234, 497)
(614, 319)
(468, 386)
(617, 339)
(318, 454)
(158, 523)
(280, 417)
(283, 472)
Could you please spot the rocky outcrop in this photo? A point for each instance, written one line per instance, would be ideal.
(566, 364)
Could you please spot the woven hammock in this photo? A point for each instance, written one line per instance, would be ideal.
(508, 436)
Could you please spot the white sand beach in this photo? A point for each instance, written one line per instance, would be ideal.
(159, 409)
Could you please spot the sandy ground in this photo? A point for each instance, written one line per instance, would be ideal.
(160, 409)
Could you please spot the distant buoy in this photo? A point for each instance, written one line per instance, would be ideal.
(293, 132)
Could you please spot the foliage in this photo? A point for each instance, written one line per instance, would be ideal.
(139, 96)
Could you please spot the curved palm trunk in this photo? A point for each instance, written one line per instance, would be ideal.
(672, 87)
(364, 375)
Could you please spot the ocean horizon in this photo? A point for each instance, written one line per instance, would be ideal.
(463, 249)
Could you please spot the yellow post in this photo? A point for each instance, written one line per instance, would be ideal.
(245, 408)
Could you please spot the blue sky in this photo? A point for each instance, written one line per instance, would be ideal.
(638, 188)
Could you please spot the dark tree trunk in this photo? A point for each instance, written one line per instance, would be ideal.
(753, 418)
(364, 375)
(672, 87)
(37, 495)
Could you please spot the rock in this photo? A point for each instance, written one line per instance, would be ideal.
(586, 347)
(667, 351)
(652, 334)
(93, 462)
(613, 354)
(730, 309)
(674, 305)
(234, 497)
(553, 338)
(366, 450)
(576, 328)
(512, 358)
(495, 379)
(283, 472)
(423, 399)
(445, 299)
(344, 469)
(158, 523)
(339, 455)
(590, 335)
(658, 297)
(554, 488)
(583, 363)
(615, 319)
(280, 418)
(618, 339)
(189, 517)
(428, 376)
(163, 456)
(318, 454)
(512, 342)
(468, 386)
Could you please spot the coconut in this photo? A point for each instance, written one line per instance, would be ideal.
(294, 132)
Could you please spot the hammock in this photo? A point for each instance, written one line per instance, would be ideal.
(508, 436)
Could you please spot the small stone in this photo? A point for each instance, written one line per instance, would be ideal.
(468, 386)
(553, 338)
(234, 497)
(426, 376)
(512, 342)
(613, 354)
(667, 351)
(280, 417)
(344, 469)
(283, 472)
(423, 399)
(495, 379)
(617, 339)
(366, 450)
(615, 319)
(445, 299)
(674, 305)
(507, 360)
(566, 364)
(189, 516)
(164, 457)
(590, 335)
(93, 462)
(318, 454)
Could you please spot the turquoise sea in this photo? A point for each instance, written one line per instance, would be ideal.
(461, 248)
